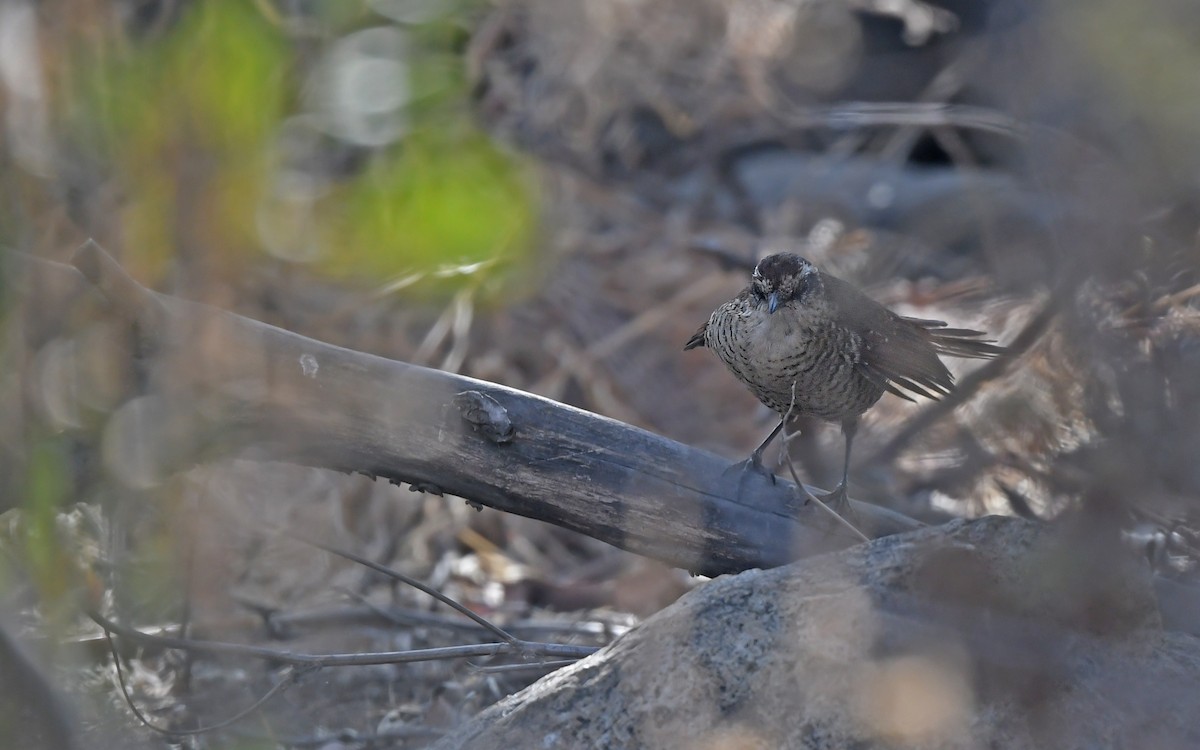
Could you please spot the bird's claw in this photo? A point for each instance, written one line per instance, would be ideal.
(752, 464)
(836, 499)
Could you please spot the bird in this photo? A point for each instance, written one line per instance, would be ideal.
(808, 343)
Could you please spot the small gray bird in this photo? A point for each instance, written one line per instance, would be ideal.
(807, 343)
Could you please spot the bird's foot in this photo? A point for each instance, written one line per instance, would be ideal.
(836, 499)
(837, 504)
(752, 464)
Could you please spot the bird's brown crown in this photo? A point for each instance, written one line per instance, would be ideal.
(787, 276)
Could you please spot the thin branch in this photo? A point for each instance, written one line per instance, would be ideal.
(365, 613)
(787, 458)
(820, 503)
(949, 81)
(288, 679)
(524, 648)
(418, 585)
(853, 115)
(510, 668)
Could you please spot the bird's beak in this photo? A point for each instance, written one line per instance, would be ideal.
(772, 302)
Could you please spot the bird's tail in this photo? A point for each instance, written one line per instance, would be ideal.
(959, 342)
(697, 338)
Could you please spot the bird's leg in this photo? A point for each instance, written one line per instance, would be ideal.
(837, 496)
(754, 463)
(756, 456)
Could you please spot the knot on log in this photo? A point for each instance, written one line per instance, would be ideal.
(486, 415)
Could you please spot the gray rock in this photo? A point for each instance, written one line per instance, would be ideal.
(995, 633)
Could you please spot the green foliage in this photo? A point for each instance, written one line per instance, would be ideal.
(440, 199)
(45, 493)
(189, 122)
(185, 120)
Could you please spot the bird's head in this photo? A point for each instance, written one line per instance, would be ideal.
(782, 278)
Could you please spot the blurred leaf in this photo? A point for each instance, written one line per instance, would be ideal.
(45, 494)
(216, 77)
(439, 199)
(150, 577)
(187, 118)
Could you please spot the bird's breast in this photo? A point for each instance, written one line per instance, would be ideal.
(792, 361)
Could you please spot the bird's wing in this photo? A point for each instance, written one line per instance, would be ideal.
(899, 354)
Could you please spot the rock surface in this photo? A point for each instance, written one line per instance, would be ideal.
(996, 633)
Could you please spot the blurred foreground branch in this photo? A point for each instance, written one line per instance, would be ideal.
(228, 385)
